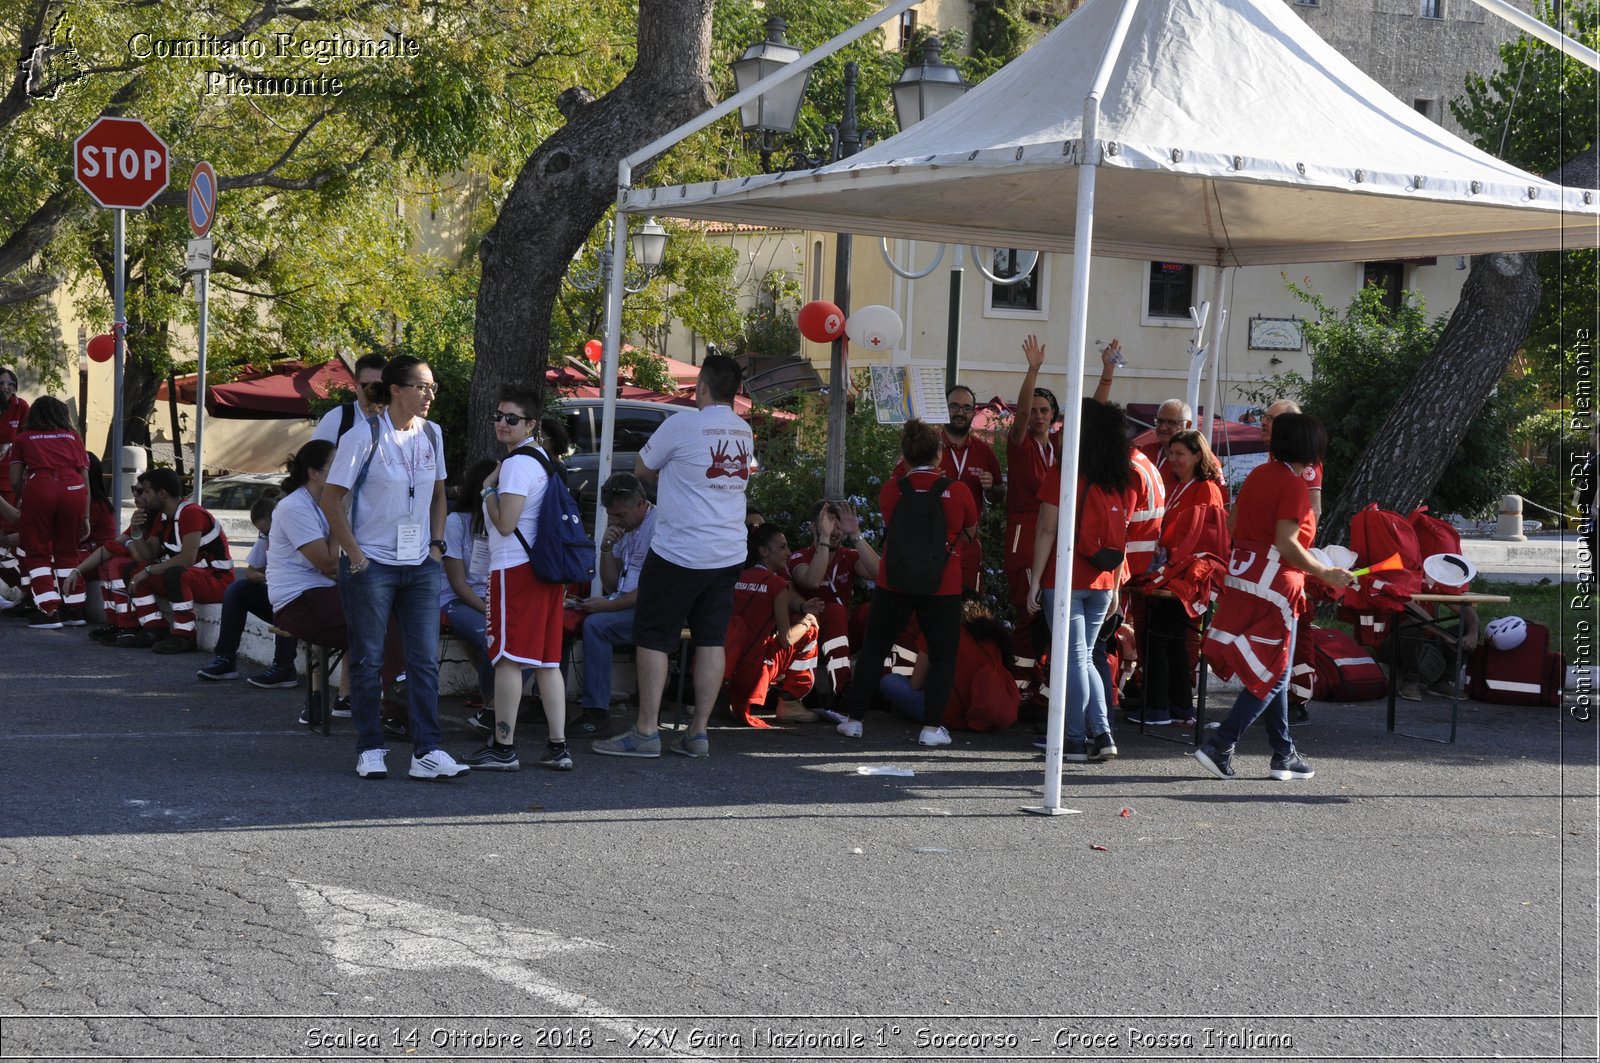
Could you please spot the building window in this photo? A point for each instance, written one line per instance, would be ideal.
(1170, 291)
(1433, 8)
(908, 28)
(1023, 297)
(1391, 277)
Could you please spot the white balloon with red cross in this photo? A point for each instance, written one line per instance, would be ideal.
(875, 327)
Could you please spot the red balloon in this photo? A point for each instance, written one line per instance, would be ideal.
(101, 348)
(594, 350)
(820, 321)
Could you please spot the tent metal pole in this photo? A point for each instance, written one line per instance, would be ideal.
(614, 279)
(1548, 34)
(1220, 277)
(1077, 340)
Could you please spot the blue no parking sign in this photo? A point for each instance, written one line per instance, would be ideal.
(202, 198)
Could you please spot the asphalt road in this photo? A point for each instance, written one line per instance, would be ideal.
(187, 875)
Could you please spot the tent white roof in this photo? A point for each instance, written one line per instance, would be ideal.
(1230, 133)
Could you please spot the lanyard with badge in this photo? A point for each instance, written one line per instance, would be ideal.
(410, 544)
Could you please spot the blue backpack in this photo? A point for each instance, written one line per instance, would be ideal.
(562, 552)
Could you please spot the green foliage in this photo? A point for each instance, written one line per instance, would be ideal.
(769, 326)
(1537, 111)
(1361, 359)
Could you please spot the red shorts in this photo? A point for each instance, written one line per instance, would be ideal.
(524, 618)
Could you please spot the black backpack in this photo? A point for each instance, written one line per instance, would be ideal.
(917, 541)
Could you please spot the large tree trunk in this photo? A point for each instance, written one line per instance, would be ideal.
(564, 190)
(1413, 448)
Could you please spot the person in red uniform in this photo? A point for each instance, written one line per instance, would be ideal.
(13, 416)
(195, 566)
(828, 570)
(968, 460)
(117, 558)
(938, 612)
(1252, 630)
(48, 466)
(1033, 450)
(772, 636)
(984, 697)
(1195, 523)
(1105, 496)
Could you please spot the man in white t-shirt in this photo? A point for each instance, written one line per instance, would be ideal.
(345, 416)
(701, 464)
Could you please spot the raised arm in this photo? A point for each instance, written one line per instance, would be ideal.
(1033, 351)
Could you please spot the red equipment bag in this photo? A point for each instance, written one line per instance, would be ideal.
(1375, 535)
(1531, 674)
(1329, 665)
(1434, 536)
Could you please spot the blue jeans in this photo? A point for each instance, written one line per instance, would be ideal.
(1086, 694)
(411, 594)
(1273, 710)
(243, 597)
(897, 691)
(602, 633)
(471, 627)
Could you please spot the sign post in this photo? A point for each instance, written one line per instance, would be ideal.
(123, 167)
(202, 212)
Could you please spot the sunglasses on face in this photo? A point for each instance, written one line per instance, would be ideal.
(512, 419)
(962, 407)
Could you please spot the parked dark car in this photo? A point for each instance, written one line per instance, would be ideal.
(637, 421)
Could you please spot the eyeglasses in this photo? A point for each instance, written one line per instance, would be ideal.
(512, 419)
(962, 407)
(426, 389)
(1168, 422)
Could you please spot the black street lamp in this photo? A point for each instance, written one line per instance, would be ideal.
(926, 88)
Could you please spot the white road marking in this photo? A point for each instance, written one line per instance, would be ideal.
(368, 933)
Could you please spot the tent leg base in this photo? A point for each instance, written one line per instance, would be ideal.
(1043, 810)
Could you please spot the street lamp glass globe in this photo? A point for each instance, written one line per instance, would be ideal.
(649, 244)
(778, 110)
(926, 88)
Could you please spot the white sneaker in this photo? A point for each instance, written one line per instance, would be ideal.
(437, 765)
(370, 764)
(933, 736)
(850, 728)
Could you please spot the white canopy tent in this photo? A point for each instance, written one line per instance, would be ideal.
(1217, 132)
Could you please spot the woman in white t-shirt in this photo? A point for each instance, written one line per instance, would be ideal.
(524, 615)
(464, 594)
(384, 500)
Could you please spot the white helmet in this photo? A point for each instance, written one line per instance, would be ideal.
(1449, 573)
(1507, 633)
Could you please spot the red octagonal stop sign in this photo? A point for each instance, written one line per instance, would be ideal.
(120, 163)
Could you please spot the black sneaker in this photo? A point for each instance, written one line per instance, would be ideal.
(1298, 712)
(105, 633)
(1076, 751)
(309, 718)
(341, 709)
(220, 668)
(556, 757)
(397, 729)
(22, 610)
(596, 723)
(176, 644)
(138, 640)
(1290, 765)
(482, 721)
(1215, 761)
(1101, 746)
(275, 678)
(493, 757)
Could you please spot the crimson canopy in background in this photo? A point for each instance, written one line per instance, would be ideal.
(286, 390)
(1225, 437)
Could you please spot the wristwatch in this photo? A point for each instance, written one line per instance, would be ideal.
(437, 542)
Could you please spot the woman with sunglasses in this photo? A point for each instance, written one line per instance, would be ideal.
(384, 500)
(524, 617)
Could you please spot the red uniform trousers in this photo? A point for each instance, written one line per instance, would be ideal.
(793, 668)
(54, 507)
(835, 642)
(182, 587)
(114, 576)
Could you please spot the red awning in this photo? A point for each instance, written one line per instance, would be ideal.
(1225, 437)
(284, 392)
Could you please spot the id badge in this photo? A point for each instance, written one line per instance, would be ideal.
(409, 543)
(480, 556)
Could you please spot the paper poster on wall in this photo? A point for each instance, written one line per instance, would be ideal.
(900, 393)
